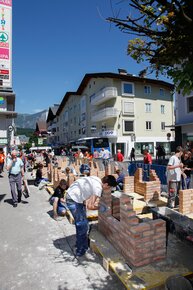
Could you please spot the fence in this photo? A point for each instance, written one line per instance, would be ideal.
(159, 169)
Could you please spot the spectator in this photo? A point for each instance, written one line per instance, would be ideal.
(174, 172)
(57, 200)
(132, 154)
(147, 157)
(96, 154)
(2, 160)
(16, 172)
(119, 156)
(187, 168)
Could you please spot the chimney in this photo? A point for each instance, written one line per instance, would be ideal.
(122, 71)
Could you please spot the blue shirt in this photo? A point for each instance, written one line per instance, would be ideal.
(16, 166)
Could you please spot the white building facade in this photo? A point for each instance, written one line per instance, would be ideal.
(184, 118)
(131, 111)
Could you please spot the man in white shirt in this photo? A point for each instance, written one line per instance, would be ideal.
(174, 172)
(86, 188)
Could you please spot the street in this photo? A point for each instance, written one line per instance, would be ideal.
(37, 252)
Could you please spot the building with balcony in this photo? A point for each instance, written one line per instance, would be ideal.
(131, 111)
(184, 118)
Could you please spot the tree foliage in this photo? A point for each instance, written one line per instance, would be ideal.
(162, 34)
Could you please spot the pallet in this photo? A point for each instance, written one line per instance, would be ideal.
(152, 276)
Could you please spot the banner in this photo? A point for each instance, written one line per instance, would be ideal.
(6, 42)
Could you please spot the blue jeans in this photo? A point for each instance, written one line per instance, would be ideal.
(78, 211)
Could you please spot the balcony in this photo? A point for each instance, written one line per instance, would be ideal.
(103, 95)
(104, 114)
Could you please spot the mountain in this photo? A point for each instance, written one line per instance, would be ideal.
(29, 120)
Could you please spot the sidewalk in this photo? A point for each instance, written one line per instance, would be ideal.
(36, 251)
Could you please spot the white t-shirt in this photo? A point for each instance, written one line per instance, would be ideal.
(174, 174)
(84, 187)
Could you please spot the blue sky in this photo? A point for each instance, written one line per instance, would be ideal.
(55, 43)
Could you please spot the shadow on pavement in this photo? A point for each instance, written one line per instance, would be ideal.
(2, 197)
(9, 201)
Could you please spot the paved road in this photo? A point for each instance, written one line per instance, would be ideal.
(36, 251)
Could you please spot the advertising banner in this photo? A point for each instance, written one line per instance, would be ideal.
(6, 42)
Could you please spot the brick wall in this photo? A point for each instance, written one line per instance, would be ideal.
(186, 201)
(149, 189)
(141, 243)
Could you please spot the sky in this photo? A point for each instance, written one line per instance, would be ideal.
(55, 43)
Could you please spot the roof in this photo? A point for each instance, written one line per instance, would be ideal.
(41, 126)
(64, 100)
(122, 77)
(52, 112)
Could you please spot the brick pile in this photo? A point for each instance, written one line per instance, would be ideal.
(186, 201)
(141, 243)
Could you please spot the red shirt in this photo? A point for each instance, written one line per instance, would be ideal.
(120, 157)
(147, 159)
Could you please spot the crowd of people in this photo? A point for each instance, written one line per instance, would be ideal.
(83, 193)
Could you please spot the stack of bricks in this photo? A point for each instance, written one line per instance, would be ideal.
(128, 184)
(56, 179)
(186, 201)
(149, 189)
(141, 243)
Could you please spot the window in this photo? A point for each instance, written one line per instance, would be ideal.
(147, 90)
(190, 104)
(163, 125)
(162, 109)
(161, 92)
(128, 89)
(128, 108)
(148, 107)
(128, 126)
(148, 125)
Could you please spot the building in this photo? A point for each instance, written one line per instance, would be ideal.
(131, 111)
(184, 118)
(7, 96)
(51, 121)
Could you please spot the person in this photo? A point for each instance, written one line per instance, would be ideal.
(119, 156)
(39, 178)
(95, 154)
(147, 157)
(57, 200)
(174, 172)
(16, 172)
(187, 168)
(105, 154)
(2, 160)
(84, 168)
(84, 189)
(132, 154)
(120, 179)
(69, 170)
(26, 191)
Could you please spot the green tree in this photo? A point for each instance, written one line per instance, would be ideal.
(162, 34)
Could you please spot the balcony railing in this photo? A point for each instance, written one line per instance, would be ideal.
(104, 114)
(104, 95)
